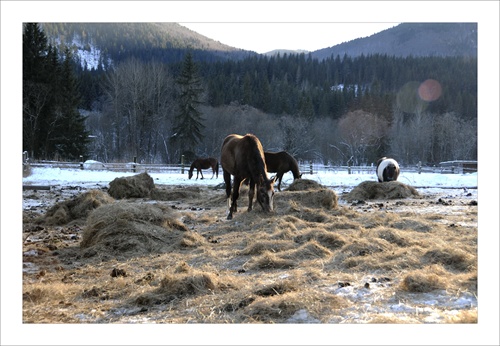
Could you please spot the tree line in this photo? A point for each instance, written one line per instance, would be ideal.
(52, 125)
(334, 111)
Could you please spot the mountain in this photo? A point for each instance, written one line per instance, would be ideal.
(101, 43)
(411, 39)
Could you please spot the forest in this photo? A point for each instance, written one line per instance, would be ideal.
(160, 108)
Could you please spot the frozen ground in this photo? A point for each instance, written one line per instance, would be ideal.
(73, 181)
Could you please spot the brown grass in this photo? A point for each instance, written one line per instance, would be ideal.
(176, 259)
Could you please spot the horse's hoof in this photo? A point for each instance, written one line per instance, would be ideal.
(230, 217)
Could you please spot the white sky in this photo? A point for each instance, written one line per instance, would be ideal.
(264, 37)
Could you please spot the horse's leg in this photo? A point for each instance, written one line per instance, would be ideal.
(227, 181)
(234, 200)
(201, 172)
(279, 177)
(251, 194)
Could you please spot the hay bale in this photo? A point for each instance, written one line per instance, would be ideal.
(304, 185)
(124, 229)
(386, 190)
(78, 207)
(139, 185)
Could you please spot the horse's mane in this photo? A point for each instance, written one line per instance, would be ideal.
(294, 166)
(259, 166)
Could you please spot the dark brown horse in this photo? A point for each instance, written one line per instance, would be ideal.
(281, 163)
(207, 163)
(243, 158)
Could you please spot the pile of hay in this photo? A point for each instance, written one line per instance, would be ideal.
(307, 193)
(178, 193)
(386, 190)
(139, 185)
(79, 207)
(303, 185)
(124, 229)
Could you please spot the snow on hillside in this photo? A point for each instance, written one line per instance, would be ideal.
(88, 54)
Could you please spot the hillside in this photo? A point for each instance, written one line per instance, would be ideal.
(116, 41)
(415, 39)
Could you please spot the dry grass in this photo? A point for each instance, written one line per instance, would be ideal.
(176, 259)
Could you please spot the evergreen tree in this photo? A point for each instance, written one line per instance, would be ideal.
(70, 138)
(52, 124)
(188, 123)
(36, 90)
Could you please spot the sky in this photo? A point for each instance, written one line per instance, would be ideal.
(265, 37)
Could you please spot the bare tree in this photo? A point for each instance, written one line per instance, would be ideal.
(35, 96)
(360, 133)
(139, 103)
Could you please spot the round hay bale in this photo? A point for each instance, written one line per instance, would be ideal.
(386, 190)
(79, 207)
(139, 185)
(303, 185)
(126, 229)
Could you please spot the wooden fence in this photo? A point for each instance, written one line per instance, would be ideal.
(305, 167)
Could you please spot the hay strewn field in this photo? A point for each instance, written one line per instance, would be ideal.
(172, 257)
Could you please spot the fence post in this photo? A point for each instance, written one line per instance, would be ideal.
(135, 164)
(419, 167)
(182, 164)
(81, 162)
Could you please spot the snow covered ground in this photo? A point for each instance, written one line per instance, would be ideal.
(87, 178)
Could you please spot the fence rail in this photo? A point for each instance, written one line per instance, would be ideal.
(305, 167)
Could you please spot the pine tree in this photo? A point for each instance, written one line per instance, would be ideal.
(36, 90)
(188, 123)
(52, 124)
(70, 138)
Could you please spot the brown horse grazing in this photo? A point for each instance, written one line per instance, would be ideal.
(281, 163)
(207, 163)
(243, 157)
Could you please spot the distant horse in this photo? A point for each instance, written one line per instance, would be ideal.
(207, 163)
(387, 169)
(243, 157)
(281, 163)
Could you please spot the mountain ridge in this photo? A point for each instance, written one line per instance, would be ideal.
(411, 39)
(162, 40)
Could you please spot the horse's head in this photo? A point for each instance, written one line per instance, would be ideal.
(387, 169)
(391, 172)
(265, 193)
(190, 174)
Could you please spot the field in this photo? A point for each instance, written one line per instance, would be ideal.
(320, 257)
